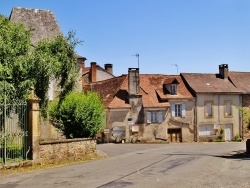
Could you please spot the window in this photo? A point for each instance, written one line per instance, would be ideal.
(154, 117)
(228, 109)
(130, 121)
(208, 109)
(173, 89)
(178, 110)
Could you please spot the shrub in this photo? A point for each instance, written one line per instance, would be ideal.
(237, 138)
(78, 115)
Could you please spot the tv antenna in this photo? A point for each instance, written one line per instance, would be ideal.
(176, 67)
(138, 58)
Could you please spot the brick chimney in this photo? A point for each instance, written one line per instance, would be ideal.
(133, 81)
(93, 72)
(223, 71)
(109, 68)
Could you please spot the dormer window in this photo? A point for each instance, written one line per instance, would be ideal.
(173, 89)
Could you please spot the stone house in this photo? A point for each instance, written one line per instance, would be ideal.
(146, 108)
(241, 81)
(96, 73)
(217, 115)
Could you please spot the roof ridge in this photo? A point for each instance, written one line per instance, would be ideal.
(238, 72)
(35, 9)
(106, 80)
(199, 73)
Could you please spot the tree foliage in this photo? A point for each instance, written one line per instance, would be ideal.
(23, 66)
(15, 62)
(246, 116)
(54, 59)
(78, 115)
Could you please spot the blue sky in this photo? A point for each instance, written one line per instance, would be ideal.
(195, 35)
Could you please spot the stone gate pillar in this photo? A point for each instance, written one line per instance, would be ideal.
(34, 130)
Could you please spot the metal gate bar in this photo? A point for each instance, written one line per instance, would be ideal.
(13, 132)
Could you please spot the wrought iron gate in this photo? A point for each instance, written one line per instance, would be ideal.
(14, 142)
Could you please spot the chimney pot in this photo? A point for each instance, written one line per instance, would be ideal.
(223, 71)
(109, 68)
(133, 81)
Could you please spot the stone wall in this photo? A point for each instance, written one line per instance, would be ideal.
(67, 149)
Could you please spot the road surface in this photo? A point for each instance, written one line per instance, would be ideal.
(148, 165)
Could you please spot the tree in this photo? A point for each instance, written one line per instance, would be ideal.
(23, 66)
(78, 115)
(54, 59)
(246, 117)
(15, 62)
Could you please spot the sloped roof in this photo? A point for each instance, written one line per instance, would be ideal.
(209, 83)
(98, 67)
(171, 80)
(153, 85)
(42, 23)
(241, 80)
(182, 91)
(108, 90)
(114, 91)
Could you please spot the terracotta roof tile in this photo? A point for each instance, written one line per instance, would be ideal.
(209, 83)
(114, 92)
(108, 89)
(241, 80)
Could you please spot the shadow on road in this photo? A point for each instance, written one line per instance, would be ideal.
(241, 154)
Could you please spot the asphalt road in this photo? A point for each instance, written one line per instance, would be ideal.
(148, 165)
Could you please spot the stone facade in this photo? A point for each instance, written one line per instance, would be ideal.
(218, 120)
(246, 105)
(68, 149)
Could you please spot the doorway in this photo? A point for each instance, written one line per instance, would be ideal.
(174, 135)
(228, 132)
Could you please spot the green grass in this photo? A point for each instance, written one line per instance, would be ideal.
(34, 167)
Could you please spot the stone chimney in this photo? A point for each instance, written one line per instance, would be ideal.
(223, 71)
(133, 81)
(81, 63)
(93, 72)
(109, 68)
(135, 98)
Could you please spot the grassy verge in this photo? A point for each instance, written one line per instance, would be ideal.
(7, 171)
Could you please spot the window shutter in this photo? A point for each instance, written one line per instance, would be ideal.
(173, 110)
(209, 109)
(183, 110)
(159, 118)
(148, 117)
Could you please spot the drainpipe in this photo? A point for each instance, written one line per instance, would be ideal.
(195, 121)
(218, 108)
(241, 119)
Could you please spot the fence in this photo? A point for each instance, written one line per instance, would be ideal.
(14, 141)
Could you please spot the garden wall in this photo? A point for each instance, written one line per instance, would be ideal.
(67, 149)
